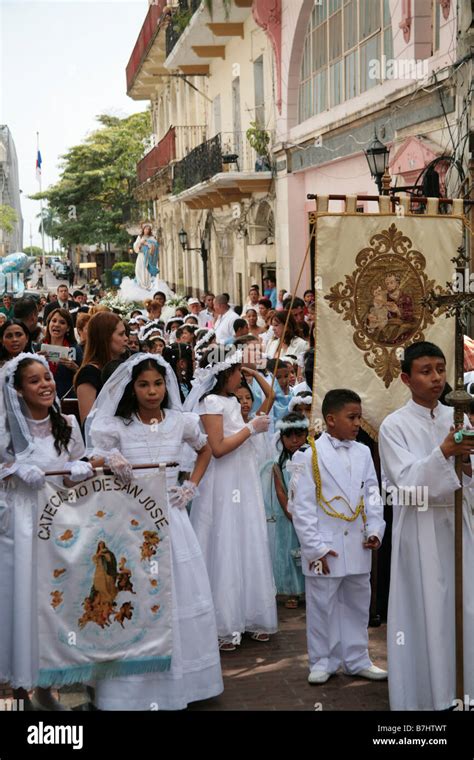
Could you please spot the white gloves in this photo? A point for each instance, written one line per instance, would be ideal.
(80, 471)
(180, 496)
(259, 424)
(31, 475)
(7, 469)
(120, 466)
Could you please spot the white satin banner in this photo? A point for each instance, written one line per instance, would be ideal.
(372, 272)
(104, 579)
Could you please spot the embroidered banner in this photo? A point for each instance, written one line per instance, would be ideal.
(104, 580)
(372, 272)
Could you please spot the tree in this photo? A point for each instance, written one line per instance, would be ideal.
(33, 250)
(8, 218)
(51, 224)
(94, 196)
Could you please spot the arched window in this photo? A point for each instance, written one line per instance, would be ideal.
(342, 39)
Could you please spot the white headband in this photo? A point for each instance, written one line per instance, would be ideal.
(204, 379)
(297, 400)
(298, 424)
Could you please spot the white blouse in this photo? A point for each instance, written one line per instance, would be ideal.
(149, 444)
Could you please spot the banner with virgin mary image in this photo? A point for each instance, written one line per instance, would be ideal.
(104, 579)
(373, 272)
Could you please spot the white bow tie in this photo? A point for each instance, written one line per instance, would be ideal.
(338, 444)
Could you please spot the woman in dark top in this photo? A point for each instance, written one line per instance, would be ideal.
(60, 332)
(106, 340)
(14, 338)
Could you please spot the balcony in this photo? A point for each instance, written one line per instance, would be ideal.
(224, 169)
(149, 53)
(179, 21)
(194, 39)
(154, 176)
(158, 157)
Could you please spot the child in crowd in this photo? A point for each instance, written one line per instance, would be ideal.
(245, 397)
(301, 404)
(140, 395)
(337, 535)
(42, 439)
(228, 514)
(283, 393)
(284, 545)
(180, 357)
(417, 452)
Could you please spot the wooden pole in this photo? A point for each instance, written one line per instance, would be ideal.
(108, 472)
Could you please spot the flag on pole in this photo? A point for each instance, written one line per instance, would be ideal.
(38, 166)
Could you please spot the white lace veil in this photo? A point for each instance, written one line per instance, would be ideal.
(111, 393)
(13, 410)
(205, 379)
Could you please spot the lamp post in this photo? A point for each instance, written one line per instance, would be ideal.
(377, 159)
(183, 239)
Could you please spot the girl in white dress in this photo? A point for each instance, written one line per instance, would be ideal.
(228, 515)
(42, 439)
(138, 420)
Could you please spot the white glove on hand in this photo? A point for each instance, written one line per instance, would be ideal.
(80, 471)
(8, 469)
(120, 466)
(259, 424)
(31, 475)
(180, 496)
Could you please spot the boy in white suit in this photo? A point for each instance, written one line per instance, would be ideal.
(338, 516)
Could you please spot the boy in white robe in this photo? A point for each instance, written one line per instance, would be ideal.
(417, 449)
(338, 517)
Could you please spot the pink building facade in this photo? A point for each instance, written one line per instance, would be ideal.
(344, 68)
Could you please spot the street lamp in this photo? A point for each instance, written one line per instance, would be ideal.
(183, 239)
(377, 158)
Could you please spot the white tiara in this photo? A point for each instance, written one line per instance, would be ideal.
(298, 424)
(153, 326)
(204, 379)
(200, 375)
(297, 400)
(204, 340)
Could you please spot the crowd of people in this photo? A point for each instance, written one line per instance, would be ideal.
(226, 391)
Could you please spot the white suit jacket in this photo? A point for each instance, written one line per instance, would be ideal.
(317, 532)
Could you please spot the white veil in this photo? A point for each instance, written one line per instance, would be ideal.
(205, 379)
(111, 393)
(13, 410)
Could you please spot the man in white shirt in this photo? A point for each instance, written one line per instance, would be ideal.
(194, 305)
(208, 311)
(252, 303)
(417, 451)
(224, 324)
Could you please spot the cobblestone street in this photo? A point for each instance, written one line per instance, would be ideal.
(273, 676)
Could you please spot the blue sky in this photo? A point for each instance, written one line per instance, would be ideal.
(62, 63)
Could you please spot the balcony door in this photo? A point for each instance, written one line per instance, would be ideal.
(236, 121)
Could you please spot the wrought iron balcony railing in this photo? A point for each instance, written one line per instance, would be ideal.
(179, 21)
(201, 164)
(227, 151)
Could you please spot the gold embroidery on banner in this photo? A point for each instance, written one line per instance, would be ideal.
(382, 300)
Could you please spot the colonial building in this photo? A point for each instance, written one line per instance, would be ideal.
(348, 68)
(10, 242)
(209, 80)
(318, 79)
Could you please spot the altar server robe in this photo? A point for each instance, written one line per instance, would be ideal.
(420, 626)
